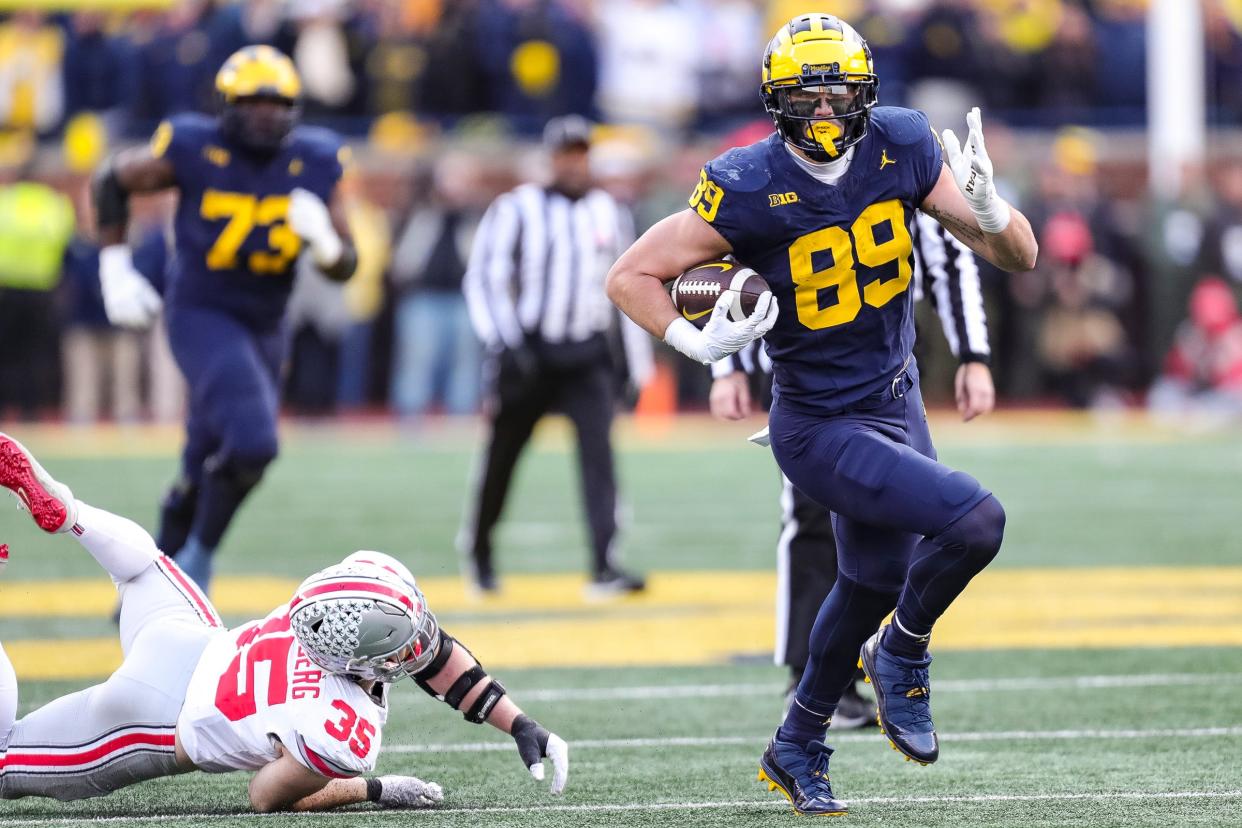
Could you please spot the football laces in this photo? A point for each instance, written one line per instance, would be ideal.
(695, 286)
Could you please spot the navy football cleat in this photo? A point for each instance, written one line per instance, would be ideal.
(903, 698)
(802, 776)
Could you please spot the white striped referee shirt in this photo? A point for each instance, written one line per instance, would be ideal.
(946, 272)
(537, 269)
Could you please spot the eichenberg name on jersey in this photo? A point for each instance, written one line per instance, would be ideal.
(306, 677)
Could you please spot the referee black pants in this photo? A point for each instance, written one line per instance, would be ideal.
(576, 380)
(806, 569)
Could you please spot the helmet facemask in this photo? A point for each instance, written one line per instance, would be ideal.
(259, 123)
(821, 117)
(413, 656)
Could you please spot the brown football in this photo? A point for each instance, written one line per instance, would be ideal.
(695, 292)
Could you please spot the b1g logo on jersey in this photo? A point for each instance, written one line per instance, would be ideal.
(781, 199)
(218, 156)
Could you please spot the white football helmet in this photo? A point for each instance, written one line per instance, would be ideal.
(365, 617)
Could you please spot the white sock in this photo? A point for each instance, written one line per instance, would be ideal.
(8, 698)
(123, 548)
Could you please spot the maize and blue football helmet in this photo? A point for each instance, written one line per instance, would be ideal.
(260, 98)
(819, 85)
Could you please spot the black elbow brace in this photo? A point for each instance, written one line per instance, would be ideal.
(111, 200)
(437, 664)
(455, 695)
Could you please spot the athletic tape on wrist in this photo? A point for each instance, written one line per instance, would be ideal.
(993, 218)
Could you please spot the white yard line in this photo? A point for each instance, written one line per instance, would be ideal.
(405, 816)
(873, 736)
(703, 691)
(986, 685)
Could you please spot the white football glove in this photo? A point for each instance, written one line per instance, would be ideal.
(534, 742)
(972, 169)
(310, 219)
(129, 299)
(409, 792)
(722, 336)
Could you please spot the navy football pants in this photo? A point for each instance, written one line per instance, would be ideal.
(894, 512)
(232, 373)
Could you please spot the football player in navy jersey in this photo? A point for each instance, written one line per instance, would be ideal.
(256, 190)
(821, 208)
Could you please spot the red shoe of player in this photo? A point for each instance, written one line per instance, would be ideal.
(49, 502)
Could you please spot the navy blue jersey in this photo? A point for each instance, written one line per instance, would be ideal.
(838, 258)
(235, 251)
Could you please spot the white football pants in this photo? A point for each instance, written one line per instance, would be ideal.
(123, 731)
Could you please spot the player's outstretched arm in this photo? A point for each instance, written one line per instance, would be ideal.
(287, 785)
(460, 681)
(965, 201)
(636, 285)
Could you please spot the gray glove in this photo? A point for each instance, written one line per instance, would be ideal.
(408, 792)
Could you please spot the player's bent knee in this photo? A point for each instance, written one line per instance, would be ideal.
(252, 448)
(249, 435)
(980, 531)
(241, 471)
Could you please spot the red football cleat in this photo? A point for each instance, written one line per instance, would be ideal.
(49, 502)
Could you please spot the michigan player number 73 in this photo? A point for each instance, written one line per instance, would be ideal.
(257, 191)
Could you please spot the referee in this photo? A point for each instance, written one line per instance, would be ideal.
(945, 271)
(535, 291)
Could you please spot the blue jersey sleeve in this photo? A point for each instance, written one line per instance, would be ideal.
(325, 159)
(726, 194)
(184, 140)
(910, 128)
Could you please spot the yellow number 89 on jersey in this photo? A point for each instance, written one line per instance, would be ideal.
(706, 197)
(858, 245)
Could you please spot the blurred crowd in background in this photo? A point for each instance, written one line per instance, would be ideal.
(441, 100)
